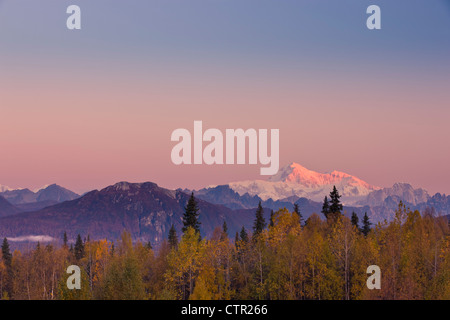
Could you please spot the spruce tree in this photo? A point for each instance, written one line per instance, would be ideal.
(326, 207)
(271, 218)
(224, 234)
(79, 248)
(173, 238)
(355, 220)
(225, 228)
(297, 211)
(366, 225)
(190, 218)
(260, 222)
(7, 260)
(65, 241)
(6, 253)
(335, 204)
(244, 235)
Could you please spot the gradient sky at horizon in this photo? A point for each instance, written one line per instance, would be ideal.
(89, 108)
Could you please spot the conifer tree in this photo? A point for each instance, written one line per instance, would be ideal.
(225, 228)
(355, 220)
(6, 253)
(173, 238)
(7, 260)
(271, 218)
(244, 235)
(326, 207)
(260, 222)
(224, 234)
(79, 248)
(366, 225)
(65, 241)
(335, 204)
(297, 211)
(190, 218)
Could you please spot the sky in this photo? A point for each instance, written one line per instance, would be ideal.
(88, 108)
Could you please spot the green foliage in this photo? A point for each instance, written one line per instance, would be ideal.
(260, 222)
(79, 248)
(297, 211)
(366, 225)
(123, 279)
(173, 238)
(190, 218)
(6, 253)
(335, 202)
(65, 240)
(355, 220)
(244, 235)
(326, 207)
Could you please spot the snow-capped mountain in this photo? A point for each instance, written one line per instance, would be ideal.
(399, 191)
(4, 188)
(296, 180)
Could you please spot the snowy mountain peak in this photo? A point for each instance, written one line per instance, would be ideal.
(296, 173)
(296, 180)
(4, 188)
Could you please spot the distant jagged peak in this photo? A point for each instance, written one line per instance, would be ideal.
(43, 187)
(400, 190)
(6, 188)
(126, 186)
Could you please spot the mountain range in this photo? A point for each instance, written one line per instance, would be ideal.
(148, 210)
(27, 200)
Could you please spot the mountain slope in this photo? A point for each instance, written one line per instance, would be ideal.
(6, 208)
(144, 209)
(56, 193)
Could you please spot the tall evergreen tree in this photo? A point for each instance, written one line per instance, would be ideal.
(224, 234)
(335, 202)
(355, 220)
(225, 228)
(366, 225)
(326, 207)
(190, 218)
(65, 241)
(260, 222)
(79, 248)
(297, 211)
(173, 238)
(7, 260)
(244, 235)
(6, 253)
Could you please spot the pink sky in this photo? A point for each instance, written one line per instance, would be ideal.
(86, 130)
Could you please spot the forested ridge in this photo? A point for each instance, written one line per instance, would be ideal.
(284, 258)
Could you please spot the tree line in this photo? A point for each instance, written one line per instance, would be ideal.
(285, 258)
